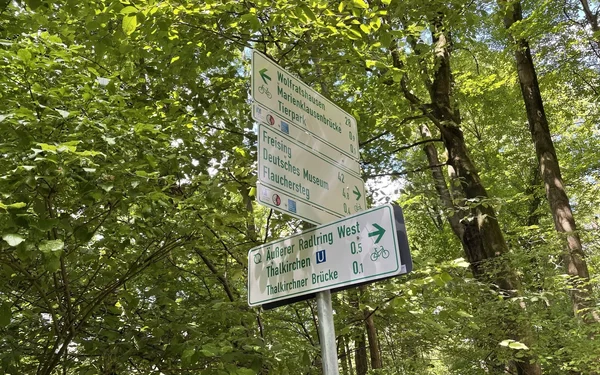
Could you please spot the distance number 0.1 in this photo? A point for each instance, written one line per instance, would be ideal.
(357, 267)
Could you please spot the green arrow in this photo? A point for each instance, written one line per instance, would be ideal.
(263, 75)
(379, 232)
(356, 192)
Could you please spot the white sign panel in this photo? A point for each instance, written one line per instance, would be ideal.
(290, 167)
(264, 115)
(277, 199)
(353, 250)
(278, 90)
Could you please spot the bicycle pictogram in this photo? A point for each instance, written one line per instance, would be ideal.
(381, 252)
(265, 90)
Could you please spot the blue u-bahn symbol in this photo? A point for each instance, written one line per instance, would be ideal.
(321, 256)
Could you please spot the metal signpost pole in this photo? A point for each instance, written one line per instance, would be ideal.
(327, 333)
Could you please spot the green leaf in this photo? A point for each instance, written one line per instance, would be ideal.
(518, 346)
(385, 38)
(187, 354)
(461, 262)
(47, 224)
(24, 55)
(13, 239)
(446, 277)
(129, 24)
(83, 234)
(360, 4)
(174, 59)
(64, 114)
(47, 246)
(52, 264)
(309, 13)
(209, 350)
(514, 344)
(128, 10)
(252, 20)
(34, 4)
(13, 206)
(5, 314)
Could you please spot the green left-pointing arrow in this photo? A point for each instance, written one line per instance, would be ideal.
(379, 232)
(263, 75)
(356, 192)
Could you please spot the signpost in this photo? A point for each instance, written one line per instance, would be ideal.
(308, 168)
(290, 167)
(299, 134)
(278, 199)
(288, 97)
(353, 250)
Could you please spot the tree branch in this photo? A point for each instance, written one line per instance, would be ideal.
(404, 172)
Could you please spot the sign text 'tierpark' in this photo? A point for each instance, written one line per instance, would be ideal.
(278, 90)
(356, 249)
(286, 165)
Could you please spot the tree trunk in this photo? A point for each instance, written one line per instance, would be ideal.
(454, 216)
(592, 19)
(533, 216)
(349, 358)
(361, 355)
(481, 235)
(564, 222)
(343, 355)
(373, 341)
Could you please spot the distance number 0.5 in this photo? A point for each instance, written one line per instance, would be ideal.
(354, 249)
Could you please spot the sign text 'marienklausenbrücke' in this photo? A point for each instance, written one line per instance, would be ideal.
(355, 249)
(278, 90)
(289, 166)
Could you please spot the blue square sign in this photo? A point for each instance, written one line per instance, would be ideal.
(321, 256)
(285, 127)
(291, 205)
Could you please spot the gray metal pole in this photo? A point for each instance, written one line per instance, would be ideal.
(327, 334)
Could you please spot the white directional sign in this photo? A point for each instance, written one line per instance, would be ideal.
(281, 92)
(278, 199)
(290, 167)
(360, 248)
(268, 117)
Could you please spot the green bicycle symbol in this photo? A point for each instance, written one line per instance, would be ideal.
(381, 252)
(265, 90)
